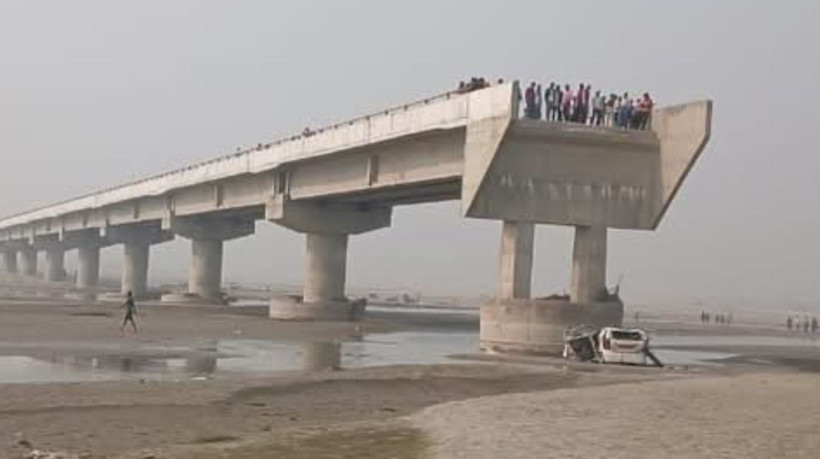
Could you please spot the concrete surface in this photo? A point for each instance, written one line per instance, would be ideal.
(517, 245)
(537, 326)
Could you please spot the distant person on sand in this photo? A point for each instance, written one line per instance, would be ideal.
(130, 312)
(789, 323)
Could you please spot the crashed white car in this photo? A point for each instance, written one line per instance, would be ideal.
(609, 345)
(618, 345)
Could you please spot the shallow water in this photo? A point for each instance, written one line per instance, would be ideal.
(737, 340)
(115, 360)
(78, 362)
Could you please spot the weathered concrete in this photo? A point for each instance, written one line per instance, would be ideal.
(55, 265)
(589, 264)
(323, 295)
(326, 267)
(563, 174)
(537, 326)
(318, 218)
(321, 356)
(295, 309)
(88, 267)
(28, 261)
(135, 269)
(10, 261)
(205, 274)
(515, 277)
(684, 131)
(327, 231)
(137, 241)
(207, 235)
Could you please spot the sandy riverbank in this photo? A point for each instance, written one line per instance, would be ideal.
(389, 411)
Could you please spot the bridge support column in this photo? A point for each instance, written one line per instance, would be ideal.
(514, 323)
(515, 277)
(88, 267)
(28, 261)
(589, 264)
(327, 230)
(207, 235)
(135, 269)
(137, 240)
(10, 261)
(205, 273)
(55, 265)
(326, 267)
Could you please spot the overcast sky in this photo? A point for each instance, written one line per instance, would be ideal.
(95, 93)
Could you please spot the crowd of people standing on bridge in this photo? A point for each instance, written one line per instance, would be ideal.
(583, 107)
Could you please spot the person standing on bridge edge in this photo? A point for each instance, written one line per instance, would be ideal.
(130, 312)
(551, 101)
(598, 105)
(566, 103)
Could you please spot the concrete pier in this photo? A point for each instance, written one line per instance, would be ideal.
(135, 269)
(589, 264)
(137, 241)
(10, 261)
(327, 230)
(514, 323)
(205, 272)
(325, 268)
(88, 267)
(517, 244)
(28, 261)
(321, 356)
(207, 235)
(55, 265)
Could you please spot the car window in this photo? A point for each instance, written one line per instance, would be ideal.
(627, 335)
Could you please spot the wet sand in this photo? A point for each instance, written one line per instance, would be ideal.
(391, 411)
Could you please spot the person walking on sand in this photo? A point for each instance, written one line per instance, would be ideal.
(130, 312)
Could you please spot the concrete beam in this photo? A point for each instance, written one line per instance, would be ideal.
(209, 228)
(684, 131)
(589, 264)
(91, 237)
(515, 276)
(151, 233)
(311, 217)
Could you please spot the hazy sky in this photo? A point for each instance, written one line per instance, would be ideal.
(94, 93)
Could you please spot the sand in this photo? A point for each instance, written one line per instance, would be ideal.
(749, 416)
(491, 408)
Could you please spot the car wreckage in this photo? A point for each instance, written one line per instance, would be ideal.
(609, 345)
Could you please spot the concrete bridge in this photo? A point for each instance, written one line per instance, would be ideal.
(345, 180)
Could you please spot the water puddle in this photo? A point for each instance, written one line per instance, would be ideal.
(80, 362)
